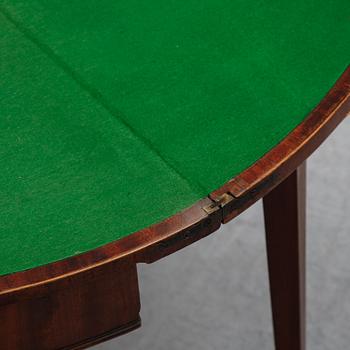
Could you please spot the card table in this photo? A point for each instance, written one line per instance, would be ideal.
(130, 129)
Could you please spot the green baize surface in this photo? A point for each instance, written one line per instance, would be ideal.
(115, 115)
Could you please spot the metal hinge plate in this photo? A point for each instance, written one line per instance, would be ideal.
(218, 203)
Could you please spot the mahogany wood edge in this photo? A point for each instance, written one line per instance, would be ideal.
(161, 239)
(113, 333)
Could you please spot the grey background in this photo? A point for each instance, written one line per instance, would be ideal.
(214, 293)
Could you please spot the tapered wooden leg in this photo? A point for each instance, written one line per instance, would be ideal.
(284, 209)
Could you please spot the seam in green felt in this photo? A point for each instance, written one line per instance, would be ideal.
(94, 93)
(71, 173)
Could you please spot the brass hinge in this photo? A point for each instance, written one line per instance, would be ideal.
(218, 203)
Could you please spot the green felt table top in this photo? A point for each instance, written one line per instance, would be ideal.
(117, 114)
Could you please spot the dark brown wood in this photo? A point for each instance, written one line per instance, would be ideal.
(81, 310)
(20, 292)
(284, 210)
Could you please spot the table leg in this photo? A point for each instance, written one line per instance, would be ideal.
(284, 210)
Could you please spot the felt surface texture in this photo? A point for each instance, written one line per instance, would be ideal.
(117, 114)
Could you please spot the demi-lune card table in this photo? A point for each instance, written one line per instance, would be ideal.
(130, 129)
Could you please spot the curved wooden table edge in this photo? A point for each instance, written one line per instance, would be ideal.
(131, 326)
(205, 216)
